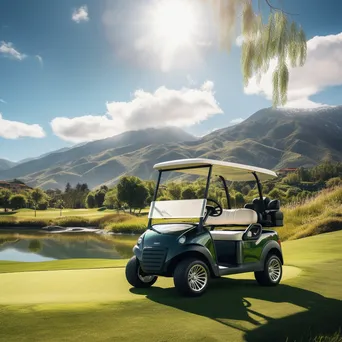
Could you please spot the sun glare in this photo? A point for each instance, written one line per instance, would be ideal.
(174, 21)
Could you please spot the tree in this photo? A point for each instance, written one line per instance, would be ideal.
(239, 200)
(99, 197)
(18, 201)
(141, 195)
(278, 39)
(111, 199)
(5, 196)
(68, 187)
(174, 190)
(90, 200)
(37, 196)
(189, 193)
(132, 191)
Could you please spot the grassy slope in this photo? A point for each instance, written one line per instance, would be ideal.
(88, 305)
(318, 215)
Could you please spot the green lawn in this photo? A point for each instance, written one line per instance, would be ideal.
(99, 305)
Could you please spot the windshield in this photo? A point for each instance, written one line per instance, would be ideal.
(189, 208)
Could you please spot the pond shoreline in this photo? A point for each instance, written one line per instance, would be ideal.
(99, 231)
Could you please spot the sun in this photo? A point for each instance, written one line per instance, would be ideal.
(174, 21)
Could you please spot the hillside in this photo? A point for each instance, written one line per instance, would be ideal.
(6, 164)
(95, 162)
(271, 138)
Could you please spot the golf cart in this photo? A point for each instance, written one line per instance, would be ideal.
(221, 241)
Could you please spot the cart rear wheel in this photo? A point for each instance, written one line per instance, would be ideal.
(272, 273)
(135, 275)
(191, 277)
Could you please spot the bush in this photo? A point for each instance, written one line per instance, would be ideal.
(72, 221)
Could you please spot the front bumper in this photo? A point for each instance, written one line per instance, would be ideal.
(152, 259)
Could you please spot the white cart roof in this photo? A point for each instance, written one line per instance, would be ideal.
(228, 170)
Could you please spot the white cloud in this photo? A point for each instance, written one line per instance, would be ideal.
(14, 129)
(321, 70)
(40, 59)
(164, 107)
(8, 50)
(207, 86)
(236, 121)
(3, 101)
(80, 14)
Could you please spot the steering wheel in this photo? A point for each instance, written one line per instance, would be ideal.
(214, 210)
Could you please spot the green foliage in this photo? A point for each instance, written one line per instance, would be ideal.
(164, 198)
(18, 201)
(75, 197)
(174, 190)
(5, 196)
(239, 200)
(291, 179)
(132, 191)
(90, 200)
(111, 199)
(279, 40)
(100, 197)
(189, 193)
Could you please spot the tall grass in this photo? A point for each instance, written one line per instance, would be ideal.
(317, 215)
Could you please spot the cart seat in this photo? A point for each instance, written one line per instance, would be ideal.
(226, 235)
(238, 217)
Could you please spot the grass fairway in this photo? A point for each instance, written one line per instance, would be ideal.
(98, 304)
(55, 213)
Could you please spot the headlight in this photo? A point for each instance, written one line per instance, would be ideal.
(182, 239)
(139, 240)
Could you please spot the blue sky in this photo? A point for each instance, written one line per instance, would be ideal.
(98, 68)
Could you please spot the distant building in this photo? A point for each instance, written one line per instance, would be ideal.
(14, 186)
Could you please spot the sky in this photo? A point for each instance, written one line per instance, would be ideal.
(75, 71)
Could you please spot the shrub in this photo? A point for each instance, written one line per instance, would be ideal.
(72, 221)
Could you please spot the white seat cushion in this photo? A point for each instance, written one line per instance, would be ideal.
(233, 217)
(227, 235)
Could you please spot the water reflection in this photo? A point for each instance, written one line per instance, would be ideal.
(41, 246)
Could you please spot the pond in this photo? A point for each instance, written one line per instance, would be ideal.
(44, 246)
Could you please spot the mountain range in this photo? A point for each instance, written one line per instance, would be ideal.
(270, 138)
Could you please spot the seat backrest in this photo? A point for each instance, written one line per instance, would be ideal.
(266, 201)
(249, 206)
(258, 205)
(233, 217)
(273, 205)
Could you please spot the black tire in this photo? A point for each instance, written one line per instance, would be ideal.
(134, 274)
(266, 277)
(181, 275)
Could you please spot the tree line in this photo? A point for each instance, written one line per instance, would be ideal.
(133, 194)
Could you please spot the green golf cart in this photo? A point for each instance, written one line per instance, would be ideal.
(194, 240)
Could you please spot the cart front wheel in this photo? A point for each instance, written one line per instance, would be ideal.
(136, 277)
(191, 277)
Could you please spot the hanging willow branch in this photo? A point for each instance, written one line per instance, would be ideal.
(275, 39)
